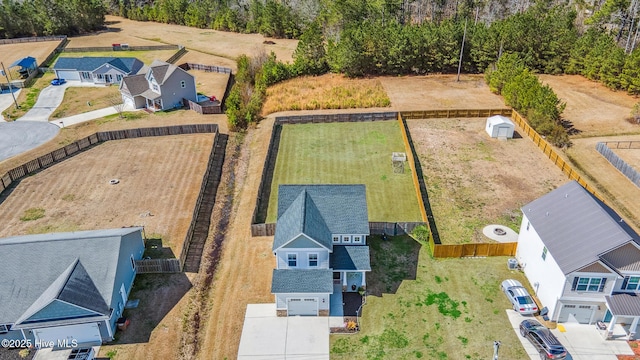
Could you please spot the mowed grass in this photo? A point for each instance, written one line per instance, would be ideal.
(329, 91)
(436, 308)
(78, 100)
(146, 56)
(348, 153)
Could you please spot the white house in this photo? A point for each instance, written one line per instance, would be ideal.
(99, 70)
(320, 248)
(499, 126)
(581, 258)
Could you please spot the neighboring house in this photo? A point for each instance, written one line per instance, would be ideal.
(161, 87)
(70, 286)
(581, 258)
(320, 248)
(99, 70)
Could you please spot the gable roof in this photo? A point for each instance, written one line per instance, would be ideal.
(75, 267)
(499, 119)
(570, 218)
(624, 258)
(350, 257)
(302, 281)
(596, 267)
(127, 65)
(134, 85)
(162, 70)
(302, 217)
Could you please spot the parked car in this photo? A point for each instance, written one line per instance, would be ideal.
(57, 81)
(520, 299)
(543, 339)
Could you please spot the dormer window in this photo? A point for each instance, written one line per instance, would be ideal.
(292, 260)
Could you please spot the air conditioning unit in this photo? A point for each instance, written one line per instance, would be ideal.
(512, 264)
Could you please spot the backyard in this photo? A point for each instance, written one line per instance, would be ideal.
(473, 180)
(146, 56)
(431, 308)
(348, 153)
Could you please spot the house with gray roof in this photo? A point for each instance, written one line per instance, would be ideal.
(98, 70)
(69, 287)
(162, 86)
(320, 248)
(581, 258)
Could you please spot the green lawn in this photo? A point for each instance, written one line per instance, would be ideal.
(348, 153)
(438, 309)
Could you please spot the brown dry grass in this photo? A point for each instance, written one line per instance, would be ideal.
(39, 50)
(78, 100)
(146, 57)
(329, 91)
(474, 180)
(210, 83)
(197, 57)
(630, 156)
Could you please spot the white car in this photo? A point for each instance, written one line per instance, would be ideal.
(519, 297)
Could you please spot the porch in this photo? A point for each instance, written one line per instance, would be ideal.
(344, 303)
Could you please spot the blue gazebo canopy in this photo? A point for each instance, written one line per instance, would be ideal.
(27, 62)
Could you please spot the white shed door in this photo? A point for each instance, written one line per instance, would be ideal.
(503, 131)
(582, 313)
(68, 75)
(302, 306)
(82, 333)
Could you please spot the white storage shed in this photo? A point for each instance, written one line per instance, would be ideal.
(499, 126)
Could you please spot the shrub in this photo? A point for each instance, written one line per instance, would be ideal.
(32, 214)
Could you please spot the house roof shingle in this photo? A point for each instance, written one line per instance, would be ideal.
(318, 281)
(65, 266)
(625, 304)
(134, 84)
(302, 216)
(127, 65)
(350, 257)
(570, 218)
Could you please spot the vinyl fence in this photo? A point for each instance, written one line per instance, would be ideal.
(626, 169)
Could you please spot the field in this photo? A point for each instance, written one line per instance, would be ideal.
(12, 52)
(473, 180)
(78, 100)
(420, 307)
(348, 153)
(224, 44)
(146, 57)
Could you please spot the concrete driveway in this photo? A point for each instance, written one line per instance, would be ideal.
(266, 336)
(49, 99)
(6, 101)
(582, 341)
(17, 137)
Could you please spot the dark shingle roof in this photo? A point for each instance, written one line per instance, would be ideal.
(302, 281)
(39, 268)
(135, 84)
(127, 64)
(625, 304)
(343, 207)
(302, 216)
(350, 257)
(570, 218)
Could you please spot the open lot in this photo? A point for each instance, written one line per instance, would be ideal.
(157, 189)
(146, 57)
(348, 153)
(39, 50)
(431, 309)
(224, 44)
(473, 180)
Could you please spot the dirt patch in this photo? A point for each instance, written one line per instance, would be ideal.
(440, 92)
(156, 189)
(592, 109)
(12, 52)
(473, 180)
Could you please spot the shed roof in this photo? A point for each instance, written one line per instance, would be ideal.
(25, 62)
(350, 257)
(570, 218)
(499, 119)
(65, 266)
(318, 281)
(625, 304)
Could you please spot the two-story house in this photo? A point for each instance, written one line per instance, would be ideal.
(320, 247)
(161, 87)
(581, 258)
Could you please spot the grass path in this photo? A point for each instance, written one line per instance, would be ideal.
(348, 153)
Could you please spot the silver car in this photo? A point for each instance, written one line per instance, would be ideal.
(519, 297)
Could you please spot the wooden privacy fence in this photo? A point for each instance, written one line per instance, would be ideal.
(329, 118)
(154, 266)
(175, 57)
(205, 68)
(16, 174)
(208, 107)
(474, 249)
(122, 49)
(622, 166)
(412, 164)
(31, 39)
(375, 228)
(454, 113)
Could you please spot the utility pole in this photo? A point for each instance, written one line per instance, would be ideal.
(4, 71)
(464, 37)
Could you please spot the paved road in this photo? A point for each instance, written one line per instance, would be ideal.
(18, 137)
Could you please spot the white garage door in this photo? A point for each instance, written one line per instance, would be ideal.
(68, 75)
(503, 131)
(582, 313)
(302, 306)
(82, 333)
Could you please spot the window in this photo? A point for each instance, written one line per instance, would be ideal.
(588, 284)
(346, 238)
(155, 88)
(528, 223)
(631, 283)
(118, 77)
(183, 84)
(86, 75)
(336, 239)
(313, 260)
(100, 77)
(544, 253)
(356, 239)
(292, 259)
(133, 263)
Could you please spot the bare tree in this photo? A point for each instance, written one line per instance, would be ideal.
(115, 100)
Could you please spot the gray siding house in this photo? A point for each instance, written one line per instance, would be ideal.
(99, 70)
(161, 87)
(320, 248)
(66, 286)
(581, 258)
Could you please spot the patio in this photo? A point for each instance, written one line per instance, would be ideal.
(344, 303)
